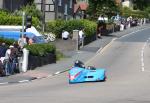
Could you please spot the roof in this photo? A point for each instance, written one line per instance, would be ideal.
(82, 6)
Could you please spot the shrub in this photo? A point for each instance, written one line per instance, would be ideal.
(9, 19)
(134, 13)
(7, 41)
(57, 26)
(41, 49)
(30, 10)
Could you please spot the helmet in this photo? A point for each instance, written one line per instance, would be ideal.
(79, 64)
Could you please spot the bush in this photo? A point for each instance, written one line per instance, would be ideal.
(41, 54)
(57, 26)
(41, 49)
(29, 10)
(9, 19)
(126, 12)
(7, 41)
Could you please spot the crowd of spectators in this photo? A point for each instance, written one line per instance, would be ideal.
(121, 22)
(11, 55)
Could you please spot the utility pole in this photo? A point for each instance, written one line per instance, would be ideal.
(43, 16)
(11, 5)
(23, 19)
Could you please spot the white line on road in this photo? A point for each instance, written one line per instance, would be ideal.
(142, 51)
(134, 32)
(142, 55)
(22, 81)
(101, 50)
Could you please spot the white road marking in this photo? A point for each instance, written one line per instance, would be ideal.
(22, 81)
(142, 55)
(134, 32)
(142, 51)
(57, 72)
(101, 50)
(3, 83)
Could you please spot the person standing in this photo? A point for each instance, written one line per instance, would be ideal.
(3, 50)
(21, 42)
(81, 34)
(99, 32)
(26, 39)
(7, 61)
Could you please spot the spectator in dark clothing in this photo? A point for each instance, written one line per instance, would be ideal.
(3, 49)
(99, 32)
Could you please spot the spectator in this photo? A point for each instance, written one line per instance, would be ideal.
(2, 72)
(3, 49)
(81, 35)
(21, 42)
(65, 35)
(31, 41)
(10, 60)
(26, 39)
(7, 61)
(99, 32)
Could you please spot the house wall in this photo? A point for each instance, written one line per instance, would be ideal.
(13, 5)
(49, 9)
(54, 11)
(61, 10)
(127, 3)
(1, 4)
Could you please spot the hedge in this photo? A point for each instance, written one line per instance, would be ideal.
(35, 49)
(41, 49)
(41, 54)
(7, 41)
(57, 26)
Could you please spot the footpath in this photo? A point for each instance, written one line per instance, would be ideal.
(63, 65)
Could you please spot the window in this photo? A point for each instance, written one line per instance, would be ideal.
(59, 2)
(66, 9)
(70, 3)
(49, 7)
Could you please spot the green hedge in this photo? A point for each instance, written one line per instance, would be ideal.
(41, 49)
(57, 26)
(7, 41)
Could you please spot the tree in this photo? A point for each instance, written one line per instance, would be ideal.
(141, 4)
(105, 7)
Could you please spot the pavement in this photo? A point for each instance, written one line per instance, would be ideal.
(63, 65)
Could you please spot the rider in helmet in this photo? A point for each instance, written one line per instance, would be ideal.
(79, 64)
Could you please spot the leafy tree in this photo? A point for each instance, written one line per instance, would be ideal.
(148, 11)
(141, 4)
(105, 7)
(29, 9)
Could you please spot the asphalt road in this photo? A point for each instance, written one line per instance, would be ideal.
(128, 78)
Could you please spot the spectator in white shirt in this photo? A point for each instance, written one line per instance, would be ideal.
(65, 35)
(81, 35)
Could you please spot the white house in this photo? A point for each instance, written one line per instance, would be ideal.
(127, 3)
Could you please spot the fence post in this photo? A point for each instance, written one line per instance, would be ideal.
(25, 60)
(76, 38)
